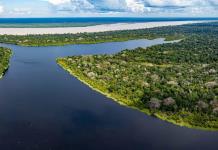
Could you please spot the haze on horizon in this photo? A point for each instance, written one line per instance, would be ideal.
(108, 8)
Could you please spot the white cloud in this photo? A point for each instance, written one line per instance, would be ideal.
(181, 3)
(141, 7)
(169, 2)
(83, 4)
(21, 11)
(1, 9)
(112, 4)
(135, 6)
(183, 7)
(58, 2)
(72, 5)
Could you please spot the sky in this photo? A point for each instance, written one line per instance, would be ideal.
(108, 8)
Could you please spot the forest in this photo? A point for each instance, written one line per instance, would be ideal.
(169, 32)
(5, 55)
(176, 82)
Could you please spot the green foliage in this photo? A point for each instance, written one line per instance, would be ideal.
(179, 80)
(5, 55)
(169, 32)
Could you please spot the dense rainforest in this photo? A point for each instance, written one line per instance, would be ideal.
(169, 32)
(5, 55)
(177, 82)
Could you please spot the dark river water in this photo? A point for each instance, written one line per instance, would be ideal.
(42, 107)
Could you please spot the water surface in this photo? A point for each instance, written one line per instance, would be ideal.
(85, 21)
(42, 107)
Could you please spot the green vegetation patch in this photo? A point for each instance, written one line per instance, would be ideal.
(5, 55)
(176, 82)
(169, 33)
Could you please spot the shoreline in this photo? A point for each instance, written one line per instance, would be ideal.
(5, 69)
(123, 102)
(93, 29)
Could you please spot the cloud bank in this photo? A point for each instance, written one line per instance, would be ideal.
(144, 8)
(141, 7)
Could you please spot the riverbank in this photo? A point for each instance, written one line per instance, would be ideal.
(5, 55)
(92, 29)
(45, 25)
(175, 82)
(174, 118)
(97, 88)
(170, 33)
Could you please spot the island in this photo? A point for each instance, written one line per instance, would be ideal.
(176, 82)
(5, 55)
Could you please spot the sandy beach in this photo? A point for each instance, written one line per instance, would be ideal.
(89, 29)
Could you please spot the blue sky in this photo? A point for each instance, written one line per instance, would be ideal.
(111, 8)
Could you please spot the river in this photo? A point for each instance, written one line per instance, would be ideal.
(42, 107)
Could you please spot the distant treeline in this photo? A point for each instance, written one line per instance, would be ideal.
(169, 32)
